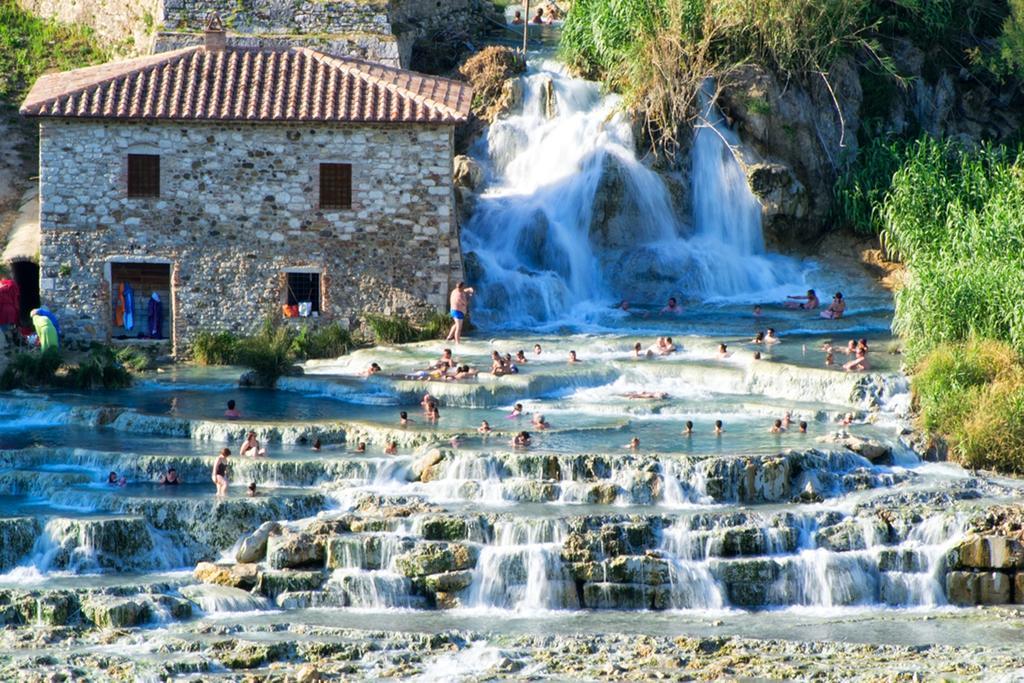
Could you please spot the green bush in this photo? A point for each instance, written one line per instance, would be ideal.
(862, 187)
(101, 369)
(269, 354)
(391, 330)
(952, 215)
(134, 359)
(438, 325)
(31, 370)
(972, 395)
(214, 348)
(329, 341)
(948, 379)
(991, 435)
(30, 46)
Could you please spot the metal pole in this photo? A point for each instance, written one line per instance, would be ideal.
(526, 25)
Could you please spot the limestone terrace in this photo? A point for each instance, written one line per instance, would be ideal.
(241, 84)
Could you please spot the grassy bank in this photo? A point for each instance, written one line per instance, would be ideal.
(31, 46)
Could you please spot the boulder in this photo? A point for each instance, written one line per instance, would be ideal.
(436, 557)
(466, 172)
(242, 576)
(108, 611)
(448, 582)
(962, 588)
(295, 551)
(273, 583)
(994, 588)
(443, 528)
(1018, 588)
(987, 552)
(422, 469)
(254, 546)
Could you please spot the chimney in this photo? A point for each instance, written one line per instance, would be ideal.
(214, 37)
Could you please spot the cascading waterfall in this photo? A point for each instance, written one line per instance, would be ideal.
(573, 220)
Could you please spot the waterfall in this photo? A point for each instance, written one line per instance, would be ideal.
(573, 220)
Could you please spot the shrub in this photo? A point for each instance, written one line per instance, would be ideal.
(437, 326)
(31, 370)
(391, 330)
(487, 71)
(269, 354)
(972, 394)
(214, 348)
(329, 341)
(991, 435)
(948, 379)
(952, 216)
(134, 359)
(100, 369)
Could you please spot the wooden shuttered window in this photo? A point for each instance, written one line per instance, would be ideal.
(143, 175)
(335, 186)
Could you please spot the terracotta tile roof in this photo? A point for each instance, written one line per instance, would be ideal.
(240, 84)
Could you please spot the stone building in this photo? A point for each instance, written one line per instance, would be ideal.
(232, 182)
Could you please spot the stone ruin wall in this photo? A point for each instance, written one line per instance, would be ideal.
(377, 30)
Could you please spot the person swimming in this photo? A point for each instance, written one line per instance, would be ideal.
(803, 427)
(521, 440)
(718, 428)
(403, 419)
(771, 337)
(536, 349)
(807, 302)
(757, 355)
(757, 311)
(484, 428)
(251, 447)
(372, 370)
(361, 447)
(517, 411)
(573, 358)
(688, 428)
(170, 478)
(777, 427)
(521, 356)
(758, 338)
(539, 422)
(836, 309)
(633, 445)
(672, 306)
(723, 351)
(391, 448)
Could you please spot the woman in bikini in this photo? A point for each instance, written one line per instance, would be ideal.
(220, 472)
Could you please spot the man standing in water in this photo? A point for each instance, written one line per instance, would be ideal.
(460, 307)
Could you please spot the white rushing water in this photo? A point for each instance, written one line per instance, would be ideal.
(573, 220)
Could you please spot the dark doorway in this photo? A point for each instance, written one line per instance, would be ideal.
(26, 275)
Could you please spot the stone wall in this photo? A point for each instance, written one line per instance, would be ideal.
(986, 570)
(239, 206)
(124, 27)
(378, 30)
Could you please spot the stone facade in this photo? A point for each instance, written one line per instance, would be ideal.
(238, 207)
